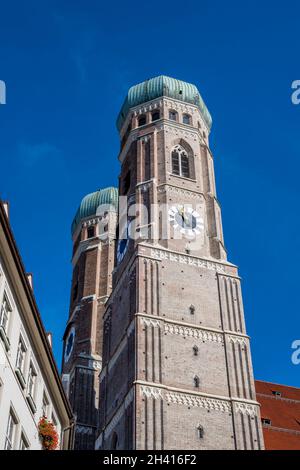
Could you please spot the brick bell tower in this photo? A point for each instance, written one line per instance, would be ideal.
(93, 233)
(177, 371)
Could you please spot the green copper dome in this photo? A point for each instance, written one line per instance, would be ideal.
(91, 202)
(163, 86)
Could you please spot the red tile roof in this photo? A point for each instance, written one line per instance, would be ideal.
(284, 413)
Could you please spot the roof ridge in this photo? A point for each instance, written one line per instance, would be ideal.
(275, 383)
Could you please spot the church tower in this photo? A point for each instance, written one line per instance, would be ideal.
(177, 371)
(93, 233)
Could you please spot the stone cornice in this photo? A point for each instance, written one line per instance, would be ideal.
(160, 253)
(176, 128)
(197, 399)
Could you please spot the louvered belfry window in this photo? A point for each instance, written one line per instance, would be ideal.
(180, 162)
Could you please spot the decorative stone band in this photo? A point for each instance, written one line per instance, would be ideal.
(179, 131)
(245, 408)
(237, 340)
(192, 400)
(185, 399)
(89, 222)
(186, 259)
(163, 188)
(103, 299)
(193, 333)
(145, 185)
(84, 429)
(155, 104)
(188, 330)
(88, 298)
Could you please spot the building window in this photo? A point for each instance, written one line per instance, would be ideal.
(172, 115)
(11, 431)
(276, 393)
(155, 116)
(266, 421)
(142, 120)
(75, 291)
(186, 119)
(45, 405)
(5, 313)
(91, 231)
(195, 350)
(200, 431)
(24, 444)
(21, 355)
(31, 381)
(180, 162)
(126, 182)
(53, 419)
(196, 381)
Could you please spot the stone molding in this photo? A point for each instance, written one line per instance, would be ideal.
(179, 131)
(161, 254)
(84, 429)
(189, 329)
(197, 333)
(192, 400)
(237, 339)
(163, 188)
(182, 330)
(245, 409)
(185, 399)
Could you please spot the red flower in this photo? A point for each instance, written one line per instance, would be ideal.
(48, 434)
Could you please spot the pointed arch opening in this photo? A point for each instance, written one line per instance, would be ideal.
(196, 381)
(200, 431)
(114, 441)
(182, 159)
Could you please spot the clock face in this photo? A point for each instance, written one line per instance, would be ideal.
(187, 220)
(69, 344)
(123, 245)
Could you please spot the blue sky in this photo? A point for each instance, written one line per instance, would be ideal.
(67, 66)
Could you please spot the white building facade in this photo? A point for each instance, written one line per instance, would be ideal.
(30, 386)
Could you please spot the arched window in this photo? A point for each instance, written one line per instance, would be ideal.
(142, 120)
(155, 116)
(196, 381)
(186, 119)
(180, 162)
(172, 115)
(196, 350)
(114, 441)
(200, 431)
(91, 231)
